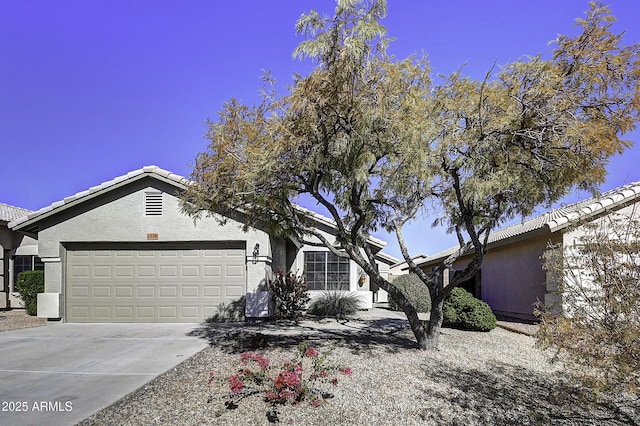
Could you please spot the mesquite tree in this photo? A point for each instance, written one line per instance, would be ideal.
(374, 140)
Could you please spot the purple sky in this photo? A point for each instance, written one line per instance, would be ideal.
(90, 90)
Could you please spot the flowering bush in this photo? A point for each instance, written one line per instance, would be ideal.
(290, 294)
(292, 382)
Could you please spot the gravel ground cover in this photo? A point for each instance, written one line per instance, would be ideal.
(17, 319)
(495, 378)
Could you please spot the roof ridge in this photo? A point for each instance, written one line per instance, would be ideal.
(166, 174)
(151, 169)
(560, 217)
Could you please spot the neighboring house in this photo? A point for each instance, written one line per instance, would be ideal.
(511, 279)
(385, 265)
(17, 253)
(123, 251)
(401, 267)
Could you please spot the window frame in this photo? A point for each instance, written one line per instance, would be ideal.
(20, 262)
(320, 265)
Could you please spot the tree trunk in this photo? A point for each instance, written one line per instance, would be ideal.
(435, 323)
(427, 335)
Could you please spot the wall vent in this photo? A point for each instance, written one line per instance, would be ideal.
(153, 203)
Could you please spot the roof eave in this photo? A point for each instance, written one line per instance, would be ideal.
(29, 223)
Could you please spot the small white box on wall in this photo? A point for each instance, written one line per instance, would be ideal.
(49, 305)
(259, 304)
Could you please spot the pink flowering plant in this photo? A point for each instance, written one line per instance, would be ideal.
(294, 381)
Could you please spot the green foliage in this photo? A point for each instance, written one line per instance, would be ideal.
(375, 140)
(335, 303)
(596, 325)
(29, 284)
(415, 290)
(462, 310)
(290, 294)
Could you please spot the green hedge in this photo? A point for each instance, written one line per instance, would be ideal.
(462, 310)
(29, 284)
(414, 290)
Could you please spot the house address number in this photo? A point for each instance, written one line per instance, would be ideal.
(152, 236)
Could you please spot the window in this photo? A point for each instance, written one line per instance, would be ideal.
(26, 263)
(153, 203)
(326, 271)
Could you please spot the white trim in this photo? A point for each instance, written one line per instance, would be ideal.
(50, 259)
(30, 250)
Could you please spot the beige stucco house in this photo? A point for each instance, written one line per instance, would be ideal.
(511, 279)
(123, 251)
(18, 253)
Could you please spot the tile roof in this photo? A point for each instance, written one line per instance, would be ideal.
(558, 219)
(9, 213)
(132, 176)
(95, 190)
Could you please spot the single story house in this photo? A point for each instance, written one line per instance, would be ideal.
(511, 279)
(18, 253)
(123, 251)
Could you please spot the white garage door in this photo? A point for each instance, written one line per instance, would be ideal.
(151, 283)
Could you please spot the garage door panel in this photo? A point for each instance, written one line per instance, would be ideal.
(146, 312)
(236, 271)
(124, 271)
(190, 254)
(213, 253)
(212, 291)
(80, 271)
(213, 271)
(124, 292)
(169, 291)
(190, 271)
(146, 291)
(101, 312)
(79, 312)
(168, 312)
(190, 291)
(102, 271)
(142, 285)
(124, 312)
(100, 291)
(234, 291)
(192, 312)
(170, 271)
(169, 253)
(146, 271)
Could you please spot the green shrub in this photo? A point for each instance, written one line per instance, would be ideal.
(334, 303)
(29, 284)
(290, 294)
(414, 290)
(462, 310)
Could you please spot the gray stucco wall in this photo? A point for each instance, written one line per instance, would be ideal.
(4, 264)
(119, 216)
(9, 242)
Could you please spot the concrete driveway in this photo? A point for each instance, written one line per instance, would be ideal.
(62, 373)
